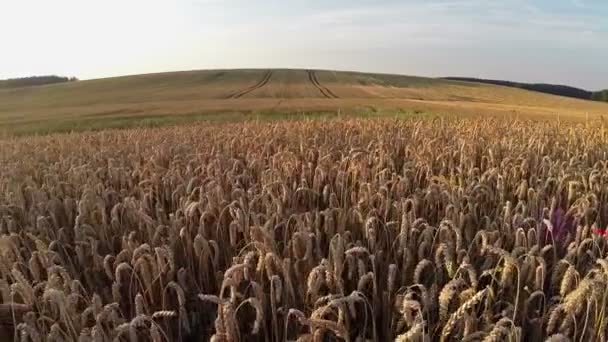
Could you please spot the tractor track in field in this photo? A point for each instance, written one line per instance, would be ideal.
(264, 81)
(312, 76)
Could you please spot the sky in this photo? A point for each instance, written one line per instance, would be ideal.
(552, 41)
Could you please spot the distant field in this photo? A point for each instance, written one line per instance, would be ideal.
(235, 94)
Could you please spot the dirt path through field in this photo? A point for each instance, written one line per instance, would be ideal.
(263, 82)
(312, 76)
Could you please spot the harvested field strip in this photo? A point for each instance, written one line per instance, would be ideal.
(312, 76)
(263, 82)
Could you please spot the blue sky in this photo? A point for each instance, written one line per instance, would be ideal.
(559, 41)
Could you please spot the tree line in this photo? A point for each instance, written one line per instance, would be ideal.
(554, 89)
(34, 81)
(600, 95)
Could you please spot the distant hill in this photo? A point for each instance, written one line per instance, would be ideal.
(34, 81)
(171, 97)
(554, 89)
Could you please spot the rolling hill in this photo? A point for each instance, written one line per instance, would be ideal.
(112, 102)
(554, 89)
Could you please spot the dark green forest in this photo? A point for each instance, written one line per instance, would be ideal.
(600, 95)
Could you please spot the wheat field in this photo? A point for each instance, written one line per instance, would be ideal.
(307, 230)
(154, 99)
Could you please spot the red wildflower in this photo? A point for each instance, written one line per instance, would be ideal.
(599, 231)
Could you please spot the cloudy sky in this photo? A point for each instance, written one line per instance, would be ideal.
(558, 41)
